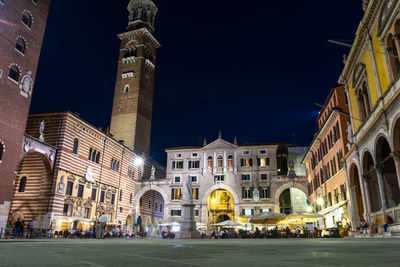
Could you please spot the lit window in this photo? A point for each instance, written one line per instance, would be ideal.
(265, 210)
(27, 19)
(263, 162)
(176, 194)
(177, 165)
(246, 162)
(248, 212)
(14, 73)
(210, 162)
(20, 45)
(22, 185)
(230, 162)
(195, 193)
(220, 161)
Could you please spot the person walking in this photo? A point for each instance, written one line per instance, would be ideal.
(102, 225)
(17, 229)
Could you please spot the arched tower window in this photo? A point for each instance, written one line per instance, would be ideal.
(22, 184)
(120, 195)
(27, 19)
(76, 146)
(1, 150)
(14, 73)
(20, 45)
(363, 101)
(126, 89)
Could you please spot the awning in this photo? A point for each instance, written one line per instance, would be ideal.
(332, 208)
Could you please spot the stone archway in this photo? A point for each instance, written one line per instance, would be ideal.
(33, 182)
(372, 184)
(357, 194)
(386, 168)
(287, 186)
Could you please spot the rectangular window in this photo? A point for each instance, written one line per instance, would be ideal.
(196, 213)
(248, 212)
(80, 190)
(195, 155)
(176, 212)
(265, 192)
(264, 177)
(262, 152)
(70, 186)
(194, 179)
(102, 193)
(343, 192)
(177, 179)
(246, 152)
(67, 211)
(194, 164)
(247, 192)
(219, 178)
(195, 193)
(265, 210)
(176, 193)
(263, 162)
(112, 199)
(246, 177)
(94, 193)
(87, 213)
(246, 162)
(177, 165)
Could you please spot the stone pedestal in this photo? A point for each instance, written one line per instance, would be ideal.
(188, 224)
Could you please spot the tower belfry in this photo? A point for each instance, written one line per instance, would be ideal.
(133, 97)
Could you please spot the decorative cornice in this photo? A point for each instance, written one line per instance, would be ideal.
(358, 43)
(134, 33)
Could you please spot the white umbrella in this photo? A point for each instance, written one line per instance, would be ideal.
(267, 218)
(228, 223)
(170, 224)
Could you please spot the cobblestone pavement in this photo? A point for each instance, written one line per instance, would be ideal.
(125, 252)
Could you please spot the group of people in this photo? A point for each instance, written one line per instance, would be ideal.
(21, 230)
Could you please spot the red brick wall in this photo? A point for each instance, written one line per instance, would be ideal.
(13, 106)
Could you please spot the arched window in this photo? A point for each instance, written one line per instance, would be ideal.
(329, 199)
(14, 73)
(230, 161)
(130, 198)
(126, 89)
(210, 162)
(130, 52)
(20, 45)
(22, 185)
(98, 157)
(220, 162)
(76, 146)
(393, 55)
(27, 19)
(1, 150)
(363, 101)
(120, 195)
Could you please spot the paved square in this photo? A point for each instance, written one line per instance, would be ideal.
(279, 252)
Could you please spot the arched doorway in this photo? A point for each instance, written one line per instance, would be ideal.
(129, 224)
(139, 223)
(220, 205)
(33, 182)
(355, 183)
(151, 208)
(369, 172)
(388, 169)
(292, 200)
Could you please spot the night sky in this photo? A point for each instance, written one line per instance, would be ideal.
(250, 70)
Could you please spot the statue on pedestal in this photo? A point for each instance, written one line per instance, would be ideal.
(189, 191)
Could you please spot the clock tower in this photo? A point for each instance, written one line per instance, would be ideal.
(134, 89)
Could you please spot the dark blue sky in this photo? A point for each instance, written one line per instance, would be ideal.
(252, 70)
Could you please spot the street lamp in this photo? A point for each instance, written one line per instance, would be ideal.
(320, 201)
(309, 209)
(138, 161)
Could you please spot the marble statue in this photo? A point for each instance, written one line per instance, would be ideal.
(256, 195)
(350, 136)
(41, 131)
(61, 185)
(188, 191)
(153, 173)
(89, 174)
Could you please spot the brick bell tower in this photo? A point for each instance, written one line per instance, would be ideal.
(133, 97)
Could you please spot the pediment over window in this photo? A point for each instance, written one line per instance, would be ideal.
(359, 72)
(220, 143)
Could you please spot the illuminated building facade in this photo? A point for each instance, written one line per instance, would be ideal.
(230, 181)
(371, 78)
(22, 26)
(324, 161)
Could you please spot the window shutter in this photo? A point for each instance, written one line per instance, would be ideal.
(190, 164)
(173, 165)
(267, 160)
(243, 212)
(251, 192)
(172, 194)
(258, 162)
(252, 212)
(242, 162)
(251, 162)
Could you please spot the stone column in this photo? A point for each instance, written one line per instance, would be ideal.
(225, 163)
(396, 158)
(204, 164)
(381, 183)
(235, 162)
(215, 163)
(367, 198)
